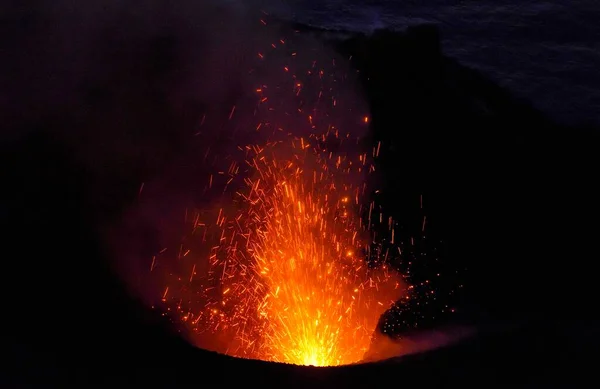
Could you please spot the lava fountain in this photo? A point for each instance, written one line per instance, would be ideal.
(289, 279)
(284, 266)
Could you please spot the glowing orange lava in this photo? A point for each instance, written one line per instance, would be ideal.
(288, 278)
(298, 266)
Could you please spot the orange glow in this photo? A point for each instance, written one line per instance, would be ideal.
(295, 286)
(288, 278)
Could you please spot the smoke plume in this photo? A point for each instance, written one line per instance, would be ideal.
(153, 98)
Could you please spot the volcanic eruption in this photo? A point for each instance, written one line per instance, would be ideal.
(284, 260)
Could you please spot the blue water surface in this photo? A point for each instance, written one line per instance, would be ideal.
(547, 52)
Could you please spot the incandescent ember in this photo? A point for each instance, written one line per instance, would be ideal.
(290, 271)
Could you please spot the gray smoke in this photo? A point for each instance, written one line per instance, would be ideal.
(384, 347)
(142, 94)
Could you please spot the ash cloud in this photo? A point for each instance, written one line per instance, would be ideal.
(140, 94)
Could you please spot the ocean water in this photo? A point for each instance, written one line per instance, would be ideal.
(547, 52)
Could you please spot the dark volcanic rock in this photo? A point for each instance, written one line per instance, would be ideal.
(507, 186)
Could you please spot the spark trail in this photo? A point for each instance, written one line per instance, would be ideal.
(290, 274)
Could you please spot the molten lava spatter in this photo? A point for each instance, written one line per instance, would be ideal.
(290, 275)
(291, 280)
(294, 260)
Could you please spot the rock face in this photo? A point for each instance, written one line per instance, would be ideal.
(512, 195)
